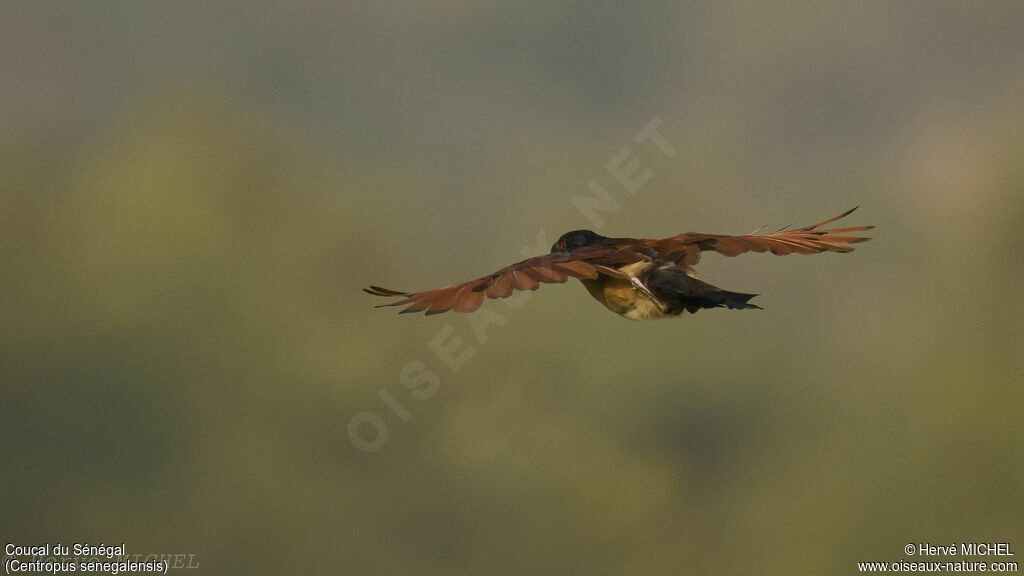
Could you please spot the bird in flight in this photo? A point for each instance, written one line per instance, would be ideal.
(637, 278)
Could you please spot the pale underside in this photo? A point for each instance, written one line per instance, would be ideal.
(628, 296)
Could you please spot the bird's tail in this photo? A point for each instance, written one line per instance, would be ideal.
(679, 291)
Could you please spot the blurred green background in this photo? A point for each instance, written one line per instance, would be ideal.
(193, 194)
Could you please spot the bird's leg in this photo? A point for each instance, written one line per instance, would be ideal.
(642, 288)
(634, 271)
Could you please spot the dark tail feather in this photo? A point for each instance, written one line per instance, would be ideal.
(682, 292)
(737, 300)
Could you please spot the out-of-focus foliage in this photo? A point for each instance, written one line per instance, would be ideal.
(191, 198)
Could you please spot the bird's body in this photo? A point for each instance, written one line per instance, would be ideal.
(638, 279)
(621, 295)
(659, 292)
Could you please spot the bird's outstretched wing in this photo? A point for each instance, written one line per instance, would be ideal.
(686, 248)
(585, 262)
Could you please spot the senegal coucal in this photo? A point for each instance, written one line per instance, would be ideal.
(637, 278)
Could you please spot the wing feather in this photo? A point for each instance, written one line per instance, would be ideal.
(522, 280)
(686, 248)
(468, 296)
(551, 275)
(579, 267)
(500, 287)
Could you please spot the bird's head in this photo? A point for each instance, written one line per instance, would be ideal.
(572, 240)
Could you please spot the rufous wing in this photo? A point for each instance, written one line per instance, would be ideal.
(686, 248)
(468, 296)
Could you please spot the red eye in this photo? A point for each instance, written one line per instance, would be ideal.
(562, 244)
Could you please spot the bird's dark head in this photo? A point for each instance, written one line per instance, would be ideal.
(575, 239)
